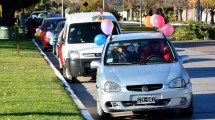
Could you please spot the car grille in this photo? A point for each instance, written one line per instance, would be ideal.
(150, 87)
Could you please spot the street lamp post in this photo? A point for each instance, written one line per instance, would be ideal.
(62, 9)
(103, 5)
(140, 13)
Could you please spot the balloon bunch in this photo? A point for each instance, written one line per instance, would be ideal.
(38, 33)
(52, 37)
(107, 28)
(159, 22)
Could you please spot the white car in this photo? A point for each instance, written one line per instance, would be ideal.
(77, 48)
(142, 71)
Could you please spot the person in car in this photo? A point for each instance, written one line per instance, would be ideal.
(132, 55)
(156, 49)
(118, 54)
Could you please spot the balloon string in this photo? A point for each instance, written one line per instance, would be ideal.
(111, 37)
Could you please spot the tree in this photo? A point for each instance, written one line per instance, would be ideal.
(206, 5)
(132, 4)
(211, 4)
(10, 6)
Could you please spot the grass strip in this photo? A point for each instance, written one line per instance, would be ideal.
(29, 88)
(137, 28)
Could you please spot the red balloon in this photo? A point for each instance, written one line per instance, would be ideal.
(167, 29)
(159, 21)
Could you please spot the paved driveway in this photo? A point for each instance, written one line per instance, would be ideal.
(202, 72)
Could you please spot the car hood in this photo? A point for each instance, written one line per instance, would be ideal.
(142, 74)
(85, 48)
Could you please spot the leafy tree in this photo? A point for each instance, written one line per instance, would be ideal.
(10, 6)
(208, 5)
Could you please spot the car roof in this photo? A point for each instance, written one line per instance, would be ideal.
(55, 18)
(135, 36)
(39, 12)
(88, 17)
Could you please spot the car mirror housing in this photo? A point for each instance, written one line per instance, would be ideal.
(60, 40)
(95, 64)
(184, 58)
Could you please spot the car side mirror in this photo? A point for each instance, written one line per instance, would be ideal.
(95, 64)
(184, 58)
(60, 40)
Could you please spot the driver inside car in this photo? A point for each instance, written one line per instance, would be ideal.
(155, 49)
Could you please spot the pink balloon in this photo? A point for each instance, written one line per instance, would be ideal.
(107, 26)
(48, 34)
(38, 30)
(159, 21)
(167, 29)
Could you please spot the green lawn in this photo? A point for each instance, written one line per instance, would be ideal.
(29, 89)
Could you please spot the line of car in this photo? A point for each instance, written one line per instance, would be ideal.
(134, 72)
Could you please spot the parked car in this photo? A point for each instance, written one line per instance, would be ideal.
(34, 21)
(78, 47)
(139, 72)
(58, 29)
(32, 25)
(36, 13)
(49, 24)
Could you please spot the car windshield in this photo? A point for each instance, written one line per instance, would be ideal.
(52, 24)
(60, 27)
(139, 52)
(86, 32)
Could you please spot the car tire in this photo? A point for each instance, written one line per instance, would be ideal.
(187, 111)
(67, 75)
(102, 115)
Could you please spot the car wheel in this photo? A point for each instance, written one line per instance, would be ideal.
(187, 111)
(102, 115)
(93, 78)
(67, 74)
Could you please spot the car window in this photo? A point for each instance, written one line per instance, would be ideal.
(60, 27)
(139, 52)
(86, 32)
(52, 24)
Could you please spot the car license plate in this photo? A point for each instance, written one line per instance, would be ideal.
(145, 99)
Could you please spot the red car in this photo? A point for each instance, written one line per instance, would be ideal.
(49, 24)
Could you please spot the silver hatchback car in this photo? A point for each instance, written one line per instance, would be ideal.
(142, 71)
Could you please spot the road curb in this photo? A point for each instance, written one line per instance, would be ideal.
(79, 104)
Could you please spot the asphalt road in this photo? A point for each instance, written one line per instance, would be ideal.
(201, 69)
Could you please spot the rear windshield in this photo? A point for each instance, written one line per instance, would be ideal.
(86, 32)
(139, 52)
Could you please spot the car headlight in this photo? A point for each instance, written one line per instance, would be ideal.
(177, 83)
(112, 87)
(74, 55)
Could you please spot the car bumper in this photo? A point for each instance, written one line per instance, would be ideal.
(165, 98)
(81, 67)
